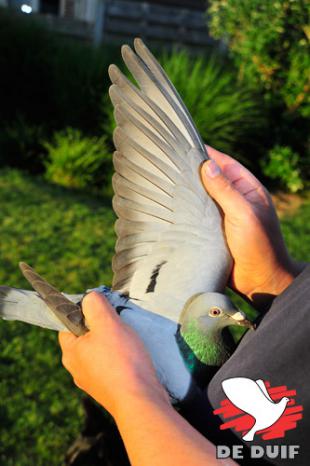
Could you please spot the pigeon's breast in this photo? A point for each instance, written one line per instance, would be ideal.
(158, 336)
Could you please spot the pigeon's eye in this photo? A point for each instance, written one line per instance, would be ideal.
(215, 312)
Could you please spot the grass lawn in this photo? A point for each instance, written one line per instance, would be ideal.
(69, 238)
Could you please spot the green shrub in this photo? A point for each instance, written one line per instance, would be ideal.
(282, 165)
(77, 161)
(224, 112)
(269, 41)
(269, 44)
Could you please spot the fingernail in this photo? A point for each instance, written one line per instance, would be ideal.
(212, 169)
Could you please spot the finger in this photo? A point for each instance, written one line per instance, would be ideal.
(242, 179)
(97, 310)
(221, 189)
(232, 169)
(66, 339)
(220, 158)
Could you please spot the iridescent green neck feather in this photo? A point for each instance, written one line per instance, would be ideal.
(212, 348)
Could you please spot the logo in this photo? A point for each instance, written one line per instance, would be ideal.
(255, 409)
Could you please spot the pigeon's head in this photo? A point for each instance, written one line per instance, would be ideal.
(212, 311)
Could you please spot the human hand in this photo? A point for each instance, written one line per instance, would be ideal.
(109, 362)
(262, 266)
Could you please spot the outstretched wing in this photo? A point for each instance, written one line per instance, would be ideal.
(170, 239)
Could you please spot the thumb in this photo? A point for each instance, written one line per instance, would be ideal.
(97, 310)
(220, 188)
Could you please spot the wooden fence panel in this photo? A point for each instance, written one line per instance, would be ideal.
(154, 22)
(119, 20)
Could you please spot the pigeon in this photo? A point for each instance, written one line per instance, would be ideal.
(171, 262)
(253, 398)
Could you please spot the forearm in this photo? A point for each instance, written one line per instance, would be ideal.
(156, 435)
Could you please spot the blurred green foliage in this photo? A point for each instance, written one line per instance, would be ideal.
(282, 163)
(270, 44)
(69, 238)
(77, 161)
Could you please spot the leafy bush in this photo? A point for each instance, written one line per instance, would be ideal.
(223, 111)
(270, 45)
(282, 164)
(76, 161)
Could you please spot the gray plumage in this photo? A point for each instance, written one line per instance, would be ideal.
(172, 263)
(165, 215)
(68, 312)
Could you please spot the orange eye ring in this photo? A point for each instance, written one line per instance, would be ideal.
(215, 311)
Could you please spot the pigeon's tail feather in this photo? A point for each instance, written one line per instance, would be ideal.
(27, 306)
(69, 313)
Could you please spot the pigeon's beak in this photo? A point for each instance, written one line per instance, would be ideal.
(239, 318)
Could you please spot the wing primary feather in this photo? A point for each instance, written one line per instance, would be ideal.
(122, 117)
(142, 73)
(128, 105)
(150, 61)
(124, 85)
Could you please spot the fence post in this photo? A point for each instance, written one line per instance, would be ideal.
(99, 22)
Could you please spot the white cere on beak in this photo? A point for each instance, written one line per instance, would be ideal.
(238, 316)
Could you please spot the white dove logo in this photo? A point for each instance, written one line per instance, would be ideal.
(252, 397)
